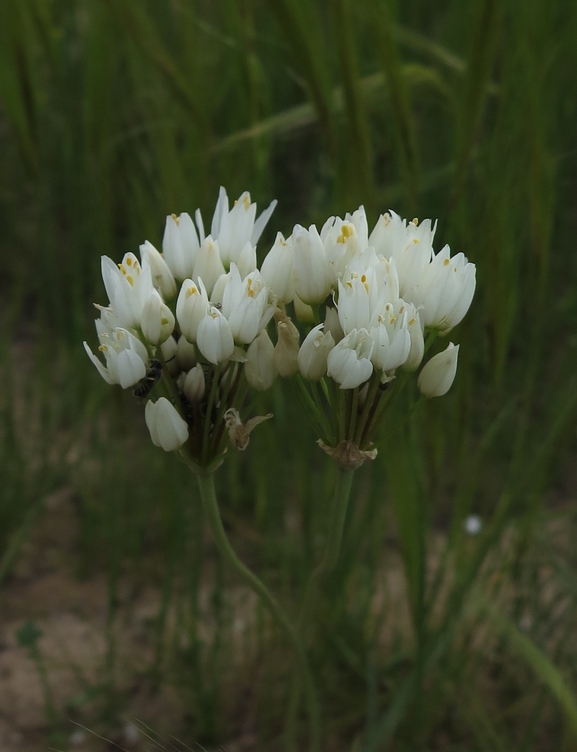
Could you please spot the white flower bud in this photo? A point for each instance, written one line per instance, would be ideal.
(438, 374)
(312, 272)
(417, 349)
(247, 260)
(349, 362)
(167, 429)
(162, 277)
(260, 369)
(333, 325)
(194, 384)
(277, 270)
(185, 354)
(180, 245)
(214, 338)
(314, 353)
(157, 320)
(168, 350)
(191, 307)
(286, 351)
(208, 266)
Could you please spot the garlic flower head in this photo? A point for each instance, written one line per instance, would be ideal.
(186, 329)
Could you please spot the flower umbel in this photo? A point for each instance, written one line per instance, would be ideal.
(186, 329)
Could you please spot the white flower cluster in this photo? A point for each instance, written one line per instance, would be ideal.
(387, 287)
(219, 314)
(202, 306)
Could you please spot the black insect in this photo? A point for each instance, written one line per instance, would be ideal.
(145, 385)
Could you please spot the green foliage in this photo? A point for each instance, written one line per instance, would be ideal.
(116, 113)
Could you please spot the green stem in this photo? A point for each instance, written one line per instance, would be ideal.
(369, 399)
(354, 409)
(208, 416)
(208, 495)
(337, 519)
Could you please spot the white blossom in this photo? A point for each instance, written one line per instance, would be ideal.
(167, 429)
(438, 374)
(180, 245)
(314, 352)
(349, 362)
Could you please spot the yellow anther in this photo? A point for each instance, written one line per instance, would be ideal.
(363, 278)
(416, 222)
(246, 201)
(175, 218)
(163, 321)
(250, 292)
(130, 279)
(412, 321)
(347, 230)
(349, 284)
(102, 348)
(446, 262)
(191, 290)
(129, 261)
(393, 319)
(122, 269)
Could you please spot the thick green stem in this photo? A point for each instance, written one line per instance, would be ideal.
(208, 495)
(337, 519)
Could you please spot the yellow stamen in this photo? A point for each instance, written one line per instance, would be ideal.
(416, 222)
(191, 290)
(130, 279)
(129, 261)
(446, 262)
(175, 218)
(412, 321)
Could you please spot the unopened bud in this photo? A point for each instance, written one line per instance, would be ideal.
(260, 368)
(438, 375)
(157, 320)
(167, 429)
(194, 384)
(168, 350)
(286, 351)
(314, 352)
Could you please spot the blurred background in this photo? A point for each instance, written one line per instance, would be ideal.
(452, 621)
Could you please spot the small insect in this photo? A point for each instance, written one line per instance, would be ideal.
(145, 385)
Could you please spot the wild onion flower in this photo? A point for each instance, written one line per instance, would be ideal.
(386, 296)
(186, 328)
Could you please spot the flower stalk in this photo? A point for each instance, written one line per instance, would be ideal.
(210, 505)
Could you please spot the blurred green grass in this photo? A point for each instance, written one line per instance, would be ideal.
(114, 114)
